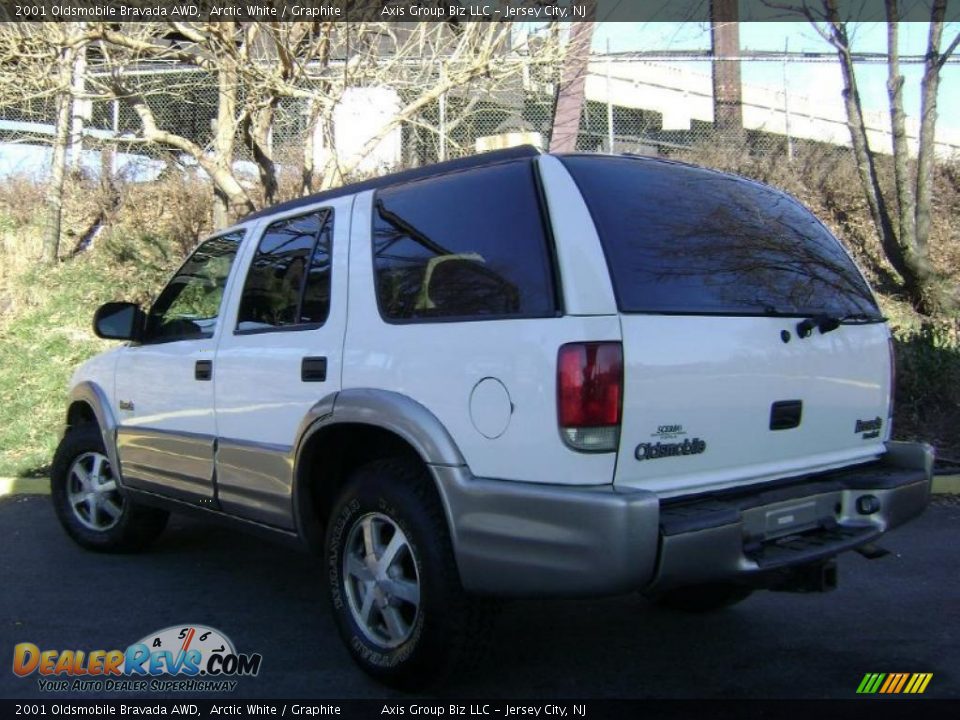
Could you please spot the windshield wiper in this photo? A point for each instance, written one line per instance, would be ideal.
(825, 322)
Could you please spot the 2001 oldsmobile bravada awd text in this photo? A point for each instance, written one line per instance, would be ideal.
(508, 375)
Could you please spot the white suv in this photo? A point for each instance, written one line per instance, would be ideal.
(508, 375)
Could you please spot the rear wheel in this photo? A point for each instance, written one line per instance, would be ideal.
(394, 584)
(89, 502)
(703, 598)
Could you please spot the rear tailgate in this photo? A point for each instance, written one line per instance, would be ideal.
(703, 396)
(753, 347)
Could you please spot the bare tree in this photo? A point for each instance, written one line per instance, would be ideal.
(37, 65)
(210, 47)
(420, 62)
(904, 228)
(258, 66)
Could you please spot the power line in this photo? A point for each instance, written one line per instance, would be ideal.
(761, 56)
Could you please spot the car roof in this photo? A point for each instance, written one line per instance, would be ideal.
(427, 171)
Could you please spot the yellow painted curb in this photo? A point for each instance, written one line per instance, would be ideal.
(946, 485)
(24, 486)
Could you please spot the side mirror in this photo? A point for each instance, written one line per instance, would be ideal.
(119, 321)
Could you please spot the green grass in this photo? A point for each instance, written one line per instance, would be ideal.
(46, 336)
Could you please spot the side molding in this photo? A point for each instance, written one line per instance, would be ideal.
(94, 396)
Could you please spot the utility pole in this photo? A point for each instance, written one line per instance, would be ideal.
(786, 99)
(573, 80)
(725, 49)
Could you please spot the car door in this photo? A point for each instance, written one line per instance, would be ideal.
(279, 354)
(164, 389)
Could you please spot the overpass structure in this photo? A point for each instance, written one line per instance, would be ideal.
(682, 96)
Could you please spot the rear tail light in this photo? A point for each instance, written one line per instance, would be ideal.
(893, 385)
(590, 395)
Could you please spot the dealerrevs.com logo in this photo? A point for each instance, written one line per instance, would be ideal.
(188, 658)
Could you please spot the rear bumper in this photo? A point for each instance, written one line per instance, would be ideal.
(523, 539)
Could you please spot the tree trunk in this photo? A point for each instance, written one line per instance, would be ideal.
(61, 139)
(866, 167)
(308, 168)
(257, 127)
(225, 201)
(926, 142)
(78, 107)
(906, 208)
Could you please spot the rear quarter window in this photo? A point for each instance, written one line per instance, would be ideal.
(682, 239)
(469, 245)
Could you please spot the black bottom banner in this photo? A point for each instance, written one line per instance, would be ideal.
(876, 709)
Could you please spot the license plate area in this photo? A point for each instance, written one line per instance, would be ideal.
(766, 522)
(795, 518)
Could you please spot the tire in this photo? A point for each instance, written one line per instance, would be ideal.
(704, 598)
(404, 616)
(89, 504)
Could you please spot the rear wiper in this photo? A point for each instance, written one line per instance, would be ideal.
(825, 322)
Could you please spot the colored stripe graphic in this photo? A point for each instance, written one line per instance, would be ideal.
(901, 682)
(871, 683)
(891, 680)
(894, 683)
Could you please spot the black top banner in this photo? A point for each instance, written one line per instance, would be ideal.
(453, 11)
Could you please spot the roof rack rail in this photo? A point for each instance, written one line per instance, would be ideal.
(420, 173)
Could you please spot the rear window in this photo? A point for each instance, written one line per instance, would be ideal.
(682, 239)
(468, 246)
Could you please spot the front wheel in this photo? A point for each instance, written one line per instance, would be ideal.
(394, 584)
(90, 504)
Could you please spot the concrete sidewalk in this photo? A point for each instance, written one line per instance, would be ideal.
(942, 485)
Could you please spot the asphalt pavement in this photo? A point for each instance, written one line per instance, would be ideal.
(894, 614)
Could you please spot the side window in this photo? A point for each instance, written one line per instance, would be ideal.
(188, 306)
(468, 245)
(289, 278)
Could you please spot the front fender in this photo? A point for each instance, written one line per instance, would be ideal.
(95, 397)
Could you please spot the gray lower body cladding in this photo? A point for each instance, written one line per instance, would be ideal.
(520, 539)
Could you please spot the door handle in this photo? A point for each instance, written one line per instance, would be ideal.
(786, 414)
(203, 370)
(313, 369)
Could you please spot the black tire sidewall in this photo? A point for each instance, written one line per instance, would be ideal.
(433, 638)
(130, 532)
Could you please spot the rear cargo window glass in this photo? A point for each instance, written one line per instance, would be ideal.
(687, 240)
(467, 245)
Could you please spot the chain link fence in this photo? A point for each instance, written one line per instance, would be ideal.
(631, 106)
